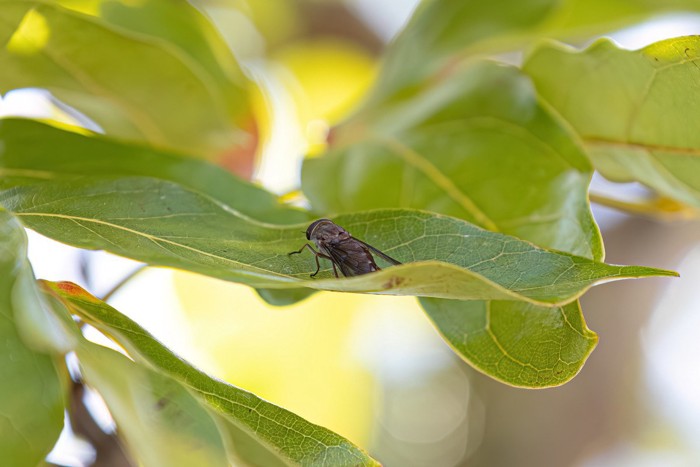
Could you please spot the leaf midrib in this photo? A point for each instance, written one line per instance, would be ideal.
(648, 147)
(141, 333)
(150, 237)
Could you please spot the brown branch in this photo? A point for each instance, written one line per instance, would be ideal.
(108, 449)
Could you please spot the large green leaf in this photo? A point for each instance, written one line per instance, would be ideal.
(31, 155)
(31, 393)
(162, 423)
(516, 343)
(630, 108)
(35, 153)
(263, 429)
(181, 25)
(162, 223)
(444, 31)
(134, 86)
(440, 31)
(477, 145)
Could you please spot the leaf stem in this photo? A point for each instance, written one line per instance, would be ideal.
(123, 282)
(659, 208)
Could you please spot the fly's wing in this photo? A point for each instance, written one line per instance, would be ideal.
(384, 256)
(351, 256)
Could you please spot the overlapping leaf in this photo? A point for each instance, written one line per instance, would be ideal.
(260, 431)
(478, 145)
(168, 412)
(30, 156)
(630, 109)
(132, 85)
(180, 25)
(442, 32)
(516, 343)
(162, 223)
(162, 423)
(31, 393)
(417, 72)
(35, 153)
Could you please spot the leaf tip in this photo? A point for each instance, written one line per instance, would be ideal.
(73, 289)
(666, 273)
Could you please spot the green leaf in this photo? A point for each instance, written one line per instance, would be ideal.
(443, 31)
(35, 153)
(631, 109)
(29, 156)
(478, 146)
(163, 224)
(284, 297)
(40, 327)
(181, 25)
(516, 343)
(31, 393)
(244, 447)
(245, 417)
(109, 73)
(162, 423)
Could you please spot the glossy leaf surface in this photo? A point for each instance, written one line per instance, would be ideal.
(162, 423)
(630, 109)
(259, 426)
(34, 153)
(133, 86)
(163, 224)
(478, 145)
(31, 393)
(516, 343)
(179, 25)
(442, 32)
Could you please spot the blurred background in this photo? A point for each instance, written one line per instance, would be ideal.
(371, 368)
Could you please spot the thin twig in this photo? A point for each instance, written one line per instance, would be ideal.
(123, 282)
(659, 208)
(109, 451)
(85, 267)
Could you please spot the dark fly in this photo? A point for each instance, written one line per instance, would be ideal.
(351, 255)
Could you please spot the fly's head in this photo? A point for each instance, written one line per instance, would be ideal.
(323, 231)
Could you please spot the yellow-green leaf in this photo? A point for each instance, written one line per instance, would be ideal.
(34, 152)
(180, 25)
(479, 146)
(164, 224)
(516, 343)
(162, 423)
(632, 109)
(257, 430)
(133, 86)
(31, 393)
(442, 32)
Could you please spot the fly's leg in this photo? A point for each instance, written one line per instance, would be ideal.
(306, 245)
(335, 271)
(318, 265)
(316, 255)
